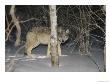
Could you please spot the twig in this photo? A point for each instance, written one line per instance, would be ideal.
(29, 20)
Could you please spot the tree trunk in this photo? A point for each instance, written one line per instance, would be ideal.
(53, 38)
(84, 33)
(16, 22)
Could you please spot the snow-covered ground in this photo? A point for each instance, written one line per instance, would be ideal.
(69, 62)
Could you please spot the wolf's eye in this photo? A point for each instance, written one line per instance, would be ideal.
(67, 31)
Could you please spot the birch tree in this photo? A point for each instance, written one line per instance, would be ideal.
(53, 38)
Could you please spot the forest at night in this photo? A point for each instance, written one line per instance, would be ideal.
(78, 30)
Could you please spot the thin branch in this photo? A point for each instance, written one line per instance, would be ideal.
(99, 27)
(29, 20)
(8, 34)
(6, 18)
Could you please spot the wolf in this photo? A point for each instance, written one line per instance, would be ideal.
(41, 35)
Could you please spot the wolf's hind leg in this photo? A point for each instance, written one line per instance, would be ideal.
(48, 50)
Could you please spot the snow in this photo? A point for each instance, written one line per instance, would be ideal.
(69, 62)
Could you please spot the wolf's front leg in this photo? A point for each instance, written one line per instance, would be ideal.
(29, 47)
(59, 49)
(29, 52)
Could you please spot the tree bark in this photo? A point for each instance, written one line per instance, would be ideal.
(84, 33)
(16, 22)
(53, 38)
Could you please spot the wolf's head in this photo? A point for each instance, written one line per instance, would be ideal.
(63, 35)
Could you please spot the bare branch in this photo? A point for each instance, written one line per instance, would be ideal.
(16, 22)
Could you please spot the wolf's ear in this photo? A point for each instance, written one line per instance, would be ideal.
(67, 31)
